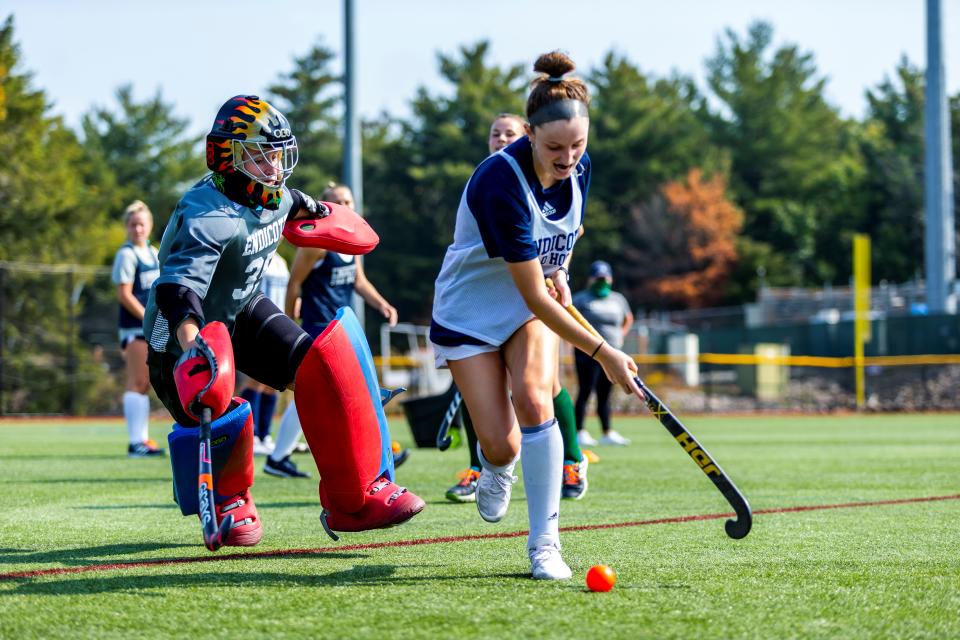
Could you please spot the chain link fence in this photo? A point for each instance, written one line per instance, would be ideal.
(59, 352)
(59, 355)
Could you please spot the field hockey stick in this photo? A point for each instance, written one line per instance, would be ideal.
(736, 529)
(213, 537)
(443, 437)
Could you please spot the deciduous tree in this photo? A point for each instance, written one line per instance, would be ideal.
(684, 247)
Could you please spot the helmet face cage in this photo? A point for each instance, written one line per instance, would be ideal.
(269, 163)
(250, 138)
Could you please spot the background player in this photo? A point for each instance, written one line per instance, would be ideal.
(262, 397)
(320, 283)
(609, 313)
(135, 267)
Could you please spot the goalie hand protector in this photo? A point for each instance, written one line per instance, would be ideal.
(335, 228)
(204, 374)
(303, 201)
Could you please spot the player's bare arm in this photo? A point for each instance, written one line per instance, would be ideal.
(303, 263)
(129, 301)
(618, 366)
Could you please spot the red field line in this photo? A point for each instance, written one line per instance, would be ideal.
(445, 539)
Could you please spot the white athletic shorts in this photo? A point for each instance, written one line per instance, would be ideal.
(126, 336)
(442, 354)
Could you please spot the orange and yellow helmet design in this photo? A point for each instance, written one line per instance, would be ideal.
(253, 149)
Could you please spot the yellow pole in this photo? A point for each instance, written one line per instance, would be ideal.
(861, 308)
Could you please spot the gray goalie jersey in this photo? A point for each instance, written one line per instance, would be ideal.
(217, 248)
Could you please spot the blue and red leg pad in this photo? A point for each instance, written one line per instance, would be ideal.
(354, 332)
(338, 400)
(231, 442)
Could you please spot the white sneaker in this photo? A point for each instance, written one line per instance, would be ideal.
(614, 438)
(262, 447)
(546, 564)
(493, 493)
(585, 439)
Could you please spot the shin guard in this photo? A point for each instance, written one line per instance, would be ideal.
(231, 440)
(339, 402)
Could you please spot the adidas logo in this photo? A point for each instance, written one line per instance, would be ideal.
(549, 209)
(553, 516)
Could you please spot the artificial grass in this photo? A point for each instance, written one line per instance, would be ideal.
(72, 499)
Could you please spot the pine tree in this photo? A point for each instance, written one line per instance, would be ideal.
(148, 150)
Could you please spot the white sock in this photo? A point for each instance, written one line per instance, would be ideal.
(486, 464)
(541, 449)
(288, 434)
(144, 416)
(135, 416)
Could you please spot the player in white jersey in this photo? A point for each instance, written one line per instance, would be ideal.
(493, 316)
(135, 267)
(506, 129)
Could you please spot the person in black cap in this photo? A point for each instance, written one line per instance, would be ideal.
(609, 312)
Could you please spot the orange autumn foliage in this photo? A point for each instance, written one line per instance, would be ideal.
(705, 225)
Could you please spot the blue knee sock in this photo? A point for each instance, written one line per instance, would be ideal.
(268, 404)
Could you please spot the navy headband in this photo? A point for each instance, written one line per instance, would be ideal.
(559, 110)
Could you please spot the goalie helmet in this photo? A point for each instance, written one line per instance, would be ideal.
(251, 151)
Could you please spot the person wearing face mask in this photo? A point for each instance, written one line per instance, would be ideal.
(609, 312)
(496, 324)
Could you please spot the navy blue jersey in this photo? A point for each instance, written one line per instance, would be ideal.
(137, 266)
(500, 204)
(505, 215)
(327, 288)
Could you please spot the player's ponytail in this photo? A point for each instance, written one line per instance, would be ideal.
(553, 85)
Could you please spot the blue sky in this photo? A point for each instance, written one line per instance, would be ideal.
(199, 53)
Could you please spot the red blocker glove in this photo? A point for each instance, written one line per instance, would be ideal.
(336, 228)
(204, 374)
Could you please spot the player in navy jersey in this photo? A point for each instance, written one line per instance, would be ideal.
(320, 283)
(325, 280)
(135, 267)
(493, 316)
(505, 129)
(262, 397)
(207, 318)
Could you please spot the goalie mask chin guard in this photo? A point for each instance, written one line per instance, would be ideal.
(252, 151)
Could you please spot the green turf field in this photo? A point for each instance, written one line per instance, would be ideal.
(71, 499)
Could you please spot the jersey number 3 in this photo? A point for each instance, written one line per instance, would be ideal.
(254, 272)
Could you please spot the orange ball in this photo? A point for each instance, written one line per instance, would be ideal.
(600, 577)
